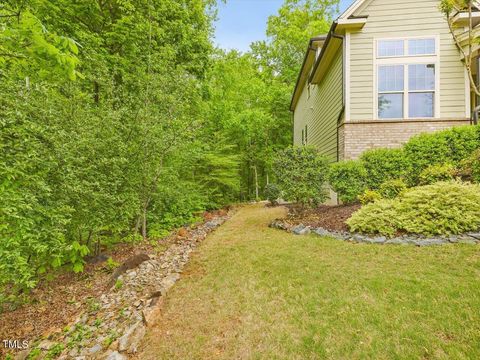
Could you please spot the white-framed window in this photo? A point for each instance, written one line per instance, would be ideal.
(407, 78)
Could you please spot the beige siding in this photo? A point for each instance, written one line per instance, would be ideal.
(389, 18)
(320, 111)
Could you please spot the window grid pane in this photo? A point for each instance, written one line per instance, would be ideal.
(390, 106)
(421, 47)
(421, 77)
(390, 78)
(420, 105)
(390, 48)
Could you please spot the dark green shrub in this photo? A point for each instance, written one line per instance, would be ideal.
(462, 141)
(384, 164)
(469, 168)
(436, 173)
(272, 193)
(348, 180)
(442, 208)
(379, 217)
(301, 174)
(390, 189)
(369, 196)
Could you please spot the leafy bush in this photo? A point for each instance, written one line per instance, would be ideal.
(470, 167)
(442, 208)
(379, 217)
(384, 164)
(390, 189)
(301, 174)
(436, 173)
(369, 196)
(348, 180)
(448, 146)
(272, 193)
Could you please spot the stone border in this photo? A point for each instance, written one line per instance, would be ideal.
(472, 238)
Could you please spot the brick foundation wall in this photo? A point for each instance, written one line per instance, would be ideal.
(356, 137)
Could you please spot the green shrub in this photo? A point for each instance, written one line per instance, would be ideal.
(442, 208)
(384, 164)
(301, 174)
(369, 196)
(272, 193)
(390, 189)
(448, 146)
(436, 173)
(348, 180)
(470, 167)
(379, 217)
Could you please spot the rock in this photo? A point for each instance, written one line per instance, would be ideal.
(130, 340)
(46, 345)
(378, 240)
(301, 230)
(475, 235)
(22, 355)
(115, 355)
(358, 238)
(322, 232)
(95, 349)
(397, 241)
(152, 313)
(170, 280)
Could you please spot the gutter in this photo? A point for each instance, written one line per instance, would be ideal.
(310, 48)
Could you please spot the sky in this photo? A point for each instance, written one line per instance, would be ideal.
(241, 22)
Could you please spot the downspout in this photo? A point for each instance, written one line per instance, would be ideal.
(344, 85)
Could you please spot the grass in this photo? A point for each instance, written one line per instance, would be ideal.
(251, 292)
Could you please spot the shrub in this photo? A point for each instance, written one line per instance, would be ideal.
(470, 167)
(301, 174)
(379, 217)
(442, 208)
(390, 189)
(384, 164)
(436, 173)
(448, 146)
(369, 196)
(348, 180)
(272, 193)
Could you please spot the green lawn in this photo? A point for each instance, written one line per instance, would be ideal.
(251, 292)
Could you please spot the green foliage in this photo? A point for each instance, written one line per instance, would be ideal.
(118, 284)
(448, 146)
(111, 264)
(272, 193)
(390, 189)
(442, 208)
(469, 168)
(348, 179)
(379, 217)
(369, 196)
(301, 174)
(435, 173)
(384, 164)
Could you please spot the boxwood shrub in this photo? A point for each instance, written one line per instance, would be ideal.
(442, 208)
(435, 173)
(384, 164)
(348, 180)
(390, 189)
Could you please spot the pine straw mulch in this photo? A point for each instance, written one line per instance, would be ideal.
(56, 302)
(328, 217)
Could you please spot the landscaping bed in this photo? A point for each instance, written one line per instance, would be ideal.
(328, 217)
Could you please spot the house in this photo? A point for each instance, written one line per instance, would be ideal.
(387, 70)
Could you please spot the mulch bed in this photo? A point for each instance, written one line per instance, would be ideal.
(56, 302)
(328, 217)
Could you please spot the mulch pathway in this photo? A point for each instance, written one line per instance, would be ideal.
(328, 217)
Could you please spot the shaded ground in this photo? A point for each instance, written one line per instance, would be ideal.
(252, 292)
(328, 217)
(57, 301)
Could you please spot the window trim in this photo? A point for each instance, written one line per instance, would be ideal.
(406, 60)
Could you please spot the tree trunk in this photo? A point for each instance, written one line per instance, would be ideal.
(144, 223)
(256, 181)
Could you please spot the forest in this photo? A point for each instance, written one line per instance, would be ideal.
(120, 120)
